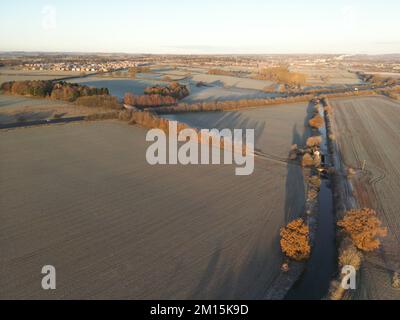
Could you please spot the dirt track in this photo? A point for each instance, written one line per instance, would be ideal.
(82, 198)
(368, 129)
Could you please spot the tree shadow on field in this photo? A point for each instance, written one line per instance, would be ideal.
(223, 120)
(24, 116)
(295, 190)
(249, 277)
(295, 197)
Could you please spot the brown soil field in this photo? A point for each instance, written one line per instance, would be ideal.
(82, 197)
(326, 76)
(368, 129)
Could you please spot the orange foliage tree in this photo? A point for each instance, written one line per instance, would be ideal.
(316, 122)
(151, 100)
(364, 228)
(295, 240)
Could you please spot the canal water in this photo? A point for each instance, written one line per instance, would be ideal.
(321, 267)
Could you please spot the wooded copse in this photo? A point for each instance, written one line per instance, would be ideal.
(175, 90)
(139, 69)
(48, 89)
(282, 75)
(157, 96)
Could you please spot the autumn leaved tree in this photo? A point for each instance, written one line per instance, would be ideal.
(316, 122)
(295, 240)
(364, 228)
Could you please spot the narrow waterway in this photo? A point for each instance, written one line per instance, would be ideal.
(321, 267)
(314, 283)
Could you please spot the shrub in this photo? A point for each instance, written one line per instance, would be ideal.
(364, 227)
(315, 181)
(396, 280)
(293, 152)
(316, 122)
(317, 162)
(150, 120)
(328, 109)
(350, 256)
(104, 101)
(336, 291)
(351, 172)
(285, 267)
(295, 240)
(312, 194)
(307, 161)
(125, 115)
(314, 141)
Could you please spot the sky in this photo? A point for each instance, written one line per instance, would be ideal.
(201, 26)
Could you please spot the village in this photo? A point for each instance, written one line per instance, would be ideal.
(79, 66)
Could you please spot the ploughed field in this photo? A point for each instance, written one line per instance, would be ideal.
(276, 127)
(368, 128)
(82, 197)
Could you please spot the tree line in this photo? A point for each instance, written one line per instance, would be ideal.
(230, 104)
(250, 103)
(220, 72)
(148, 101)
(48, 89)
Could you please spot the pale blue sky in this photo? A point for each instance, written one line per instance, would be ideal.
(201, 26)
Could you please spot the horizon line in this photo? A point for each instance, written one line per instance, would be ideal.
(205, 54)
